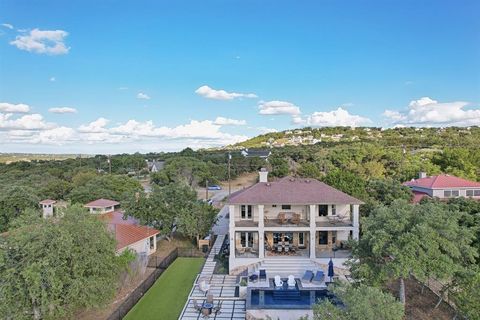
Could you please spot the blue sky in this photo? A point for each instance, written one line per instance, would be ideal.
(126, 76)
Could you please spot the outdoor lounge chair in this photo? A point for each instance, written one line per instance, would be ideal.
(308, 276)
(282, 218)
(278, 281)
(319, 277)
(295, 218)
(263, 275)
(291, 281)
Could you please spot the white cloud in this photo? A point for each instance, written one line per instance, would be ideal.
(58, 136)
(428, 112)
(209, 93)
(14, 108)
(53, 79)
(7, 25)
(221, 121)
(27, 122)
(339, 117)
(142, 95)
(62, 110)
(42, 41)
(97, 126)
(264, 130)
(278, 107)
(122, 88)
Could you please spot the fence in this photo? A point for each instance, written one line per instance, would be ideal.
(160, 264)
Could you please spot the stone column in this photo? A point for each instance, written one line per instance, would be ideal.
(313, 226)
(261, 232)
(356, 223)
(231, 214)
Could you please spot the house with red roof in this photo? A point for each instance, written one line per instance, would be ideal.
(290, 225)
(442, 186)
(127, 230)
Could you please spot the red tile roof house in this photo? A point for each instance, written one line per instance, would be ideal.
(442, 186)
(128, 232)
(290, 225)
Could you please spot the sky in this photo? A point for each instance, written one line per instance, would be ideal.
(126, 76)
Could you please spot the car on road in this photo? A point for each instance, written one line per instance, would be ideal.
(214, 187)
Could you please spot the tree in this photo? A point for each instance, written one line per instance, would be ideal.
(162, 207)
(347, 182)
(402, 239)
(359, 303)
(387, 191)
(466, 293)
(50, 268)
(309, 170)
(197, 220)
(13, 201)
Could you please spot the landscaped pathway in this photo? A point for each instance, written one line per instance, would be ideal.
(221, 286)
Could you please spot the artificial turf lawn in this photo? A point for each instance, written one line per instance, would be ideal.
(166, 298)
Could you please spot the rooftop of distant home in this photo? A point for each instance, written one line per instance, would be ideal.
(291, 190)
(102, 203)
(47, 202)
(441, 181)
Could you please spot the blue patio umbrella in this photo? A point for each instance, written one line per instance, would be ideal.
(330, 269)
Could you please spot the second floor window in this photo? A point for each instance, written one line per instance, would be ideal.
(334, 210)
(246, 211)
(323, 210)
(286, 207)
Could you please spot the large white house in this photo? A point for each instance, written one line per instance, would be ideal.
(290, 222)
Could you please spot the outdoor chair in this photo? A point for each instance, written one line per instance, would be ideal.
(279, 248)
(291, 281)
(217, 308)
(308, 276)
(282, 218)
(204, 286)
(263, 275)
(210, 298)
(278, 281)
(287, 248)
(319, 276)
(196, 306)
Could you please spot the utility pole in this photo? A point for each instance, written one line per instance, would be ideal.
(206, 190)
(229, 185)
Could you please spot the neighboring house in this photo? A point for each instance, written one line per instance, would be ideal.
(102, 206)
(251, 153)
(128, 232)
(155, 165)
(290, 224)
(442, 186)
(47, 207)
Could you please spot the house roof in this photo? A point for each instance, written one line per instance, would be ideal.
(102, 203)
(291, 190)
(48, 201)
(127, 231)
(128, 234)
(418, 196)
(257, 153)
(441, 182)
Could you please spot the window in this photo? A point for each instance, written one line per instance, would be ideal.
(476, 193)
(469, 193)
(322, 210)
(286, 207)
(450, 193)
(323, 237)
(301, 239)
(152, 243)
(246, 211)
(334, 210)
(274, 205)
(246, 239)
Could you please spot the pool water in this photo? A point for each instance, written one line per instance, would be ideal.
(288, 299)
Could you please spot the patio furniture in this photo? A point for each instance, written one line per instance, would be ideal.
(210, 298)
(217, 308)
(291, 281)
(319, 276)
(278, 281)
(295, 218)
(287, 248)
(253, 251)
(241, 250)
(204, 286)
(196, 306)
(308, 276)
(282, 219)
(279, 248)
(263, 275)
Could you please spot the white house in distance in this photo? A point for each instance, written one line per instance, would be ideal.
(128, 232)
(47, 207)
(290, 225)
(442, 186)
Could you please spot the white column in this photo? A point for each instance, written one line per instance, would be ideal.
(261, 232)
(313, 225)
(356, 224)
(231, 214)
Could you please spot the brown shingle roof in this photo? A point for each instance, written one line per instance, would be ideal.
(101, 203)
(291, 190)
(442, 181)
(127, 234)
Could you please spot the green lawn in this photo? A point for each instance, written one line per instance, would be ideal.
(166, 298)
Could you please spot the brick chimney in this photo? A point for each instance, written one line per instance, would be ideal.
(422, 174)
